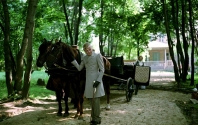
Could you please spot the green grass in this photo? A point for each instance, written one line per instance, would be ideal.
(38, 74)
(39, 91)
(3, 89)
(187, 83)
(35, 90)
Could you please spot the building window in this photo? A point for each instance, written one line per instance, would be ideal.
(156, 56)
(167, 56)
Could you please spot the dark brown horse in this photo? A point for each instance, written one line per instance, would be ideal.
(106, 79)
(64, 78)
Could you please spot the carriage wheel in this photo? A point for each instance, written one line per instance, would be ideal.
(129, 89)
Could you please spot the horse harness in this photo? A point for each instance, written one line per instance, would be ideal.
(53, 58)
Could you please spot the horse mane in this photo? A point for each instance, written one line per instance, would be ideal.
(44, 44)
(69, 53)
(107, 64)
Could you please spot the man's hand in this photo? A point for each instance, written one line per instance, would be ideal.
(96, 83)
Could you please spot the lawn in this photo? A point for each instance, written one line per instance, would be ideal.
(35, 90)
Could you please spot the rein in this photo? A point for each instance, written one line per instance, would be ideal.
(77, 71)
(60, 67)
(53, 58)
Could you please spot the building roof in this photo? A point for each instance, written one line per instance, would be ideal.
(157, 44)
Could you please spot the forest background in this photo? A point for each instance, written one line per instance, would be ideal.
(123, 27)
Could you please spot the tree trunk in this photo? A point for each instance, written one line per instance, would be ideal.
(101, 42)
(138, 48)
(130, 50)
(175, 17)
(7, 51)
(78, 22)
(32, 4)
(73, 26)
(30, 22)
(116, 44)
(67, 21)
(185, 63)
(66, 33)
(193, 41)
(108, 47)
(170, 43)
(110, 43)
(196, 43)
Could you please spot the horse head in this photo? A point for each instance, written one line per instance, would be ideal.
(58, 53)
(44, 50)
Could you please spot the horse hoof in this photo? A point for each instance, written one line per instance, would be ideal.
(76, 115)
(66, 115)
(59, 114)
(80, 117)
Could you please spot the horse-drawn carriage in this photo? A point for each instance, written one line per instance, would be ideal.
(128, 77)
(64, 77)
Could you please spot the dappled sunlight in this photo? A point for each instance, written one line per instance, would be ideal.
(52, 108)
(140, 109)
(37, 101)
(165, 83)
(87, 109)
(13, 110)
(18, 111)
(25, 106)
(120, 112)
(64, 119)
(117, 112)
(52, 113)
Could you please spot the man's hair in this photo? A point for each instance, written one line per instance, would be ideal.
(140, 57)
(86, 45)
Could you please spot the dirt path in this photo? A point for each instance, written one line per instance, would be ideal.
(149, 107)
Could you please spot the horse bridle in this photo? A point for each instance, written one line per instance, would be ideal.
(54, 57)
(57, 65)
(49, 48)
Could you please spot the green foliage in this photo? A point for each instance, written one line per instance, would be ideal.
(126, 20)
(50, 21)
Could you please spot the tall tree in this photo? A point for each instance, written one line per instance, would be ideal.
(175, 11)
(9, 63)
(26, 43)
(73, 20)
(101, 40)
(192, 31)
(185, 59)
(170, 42)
